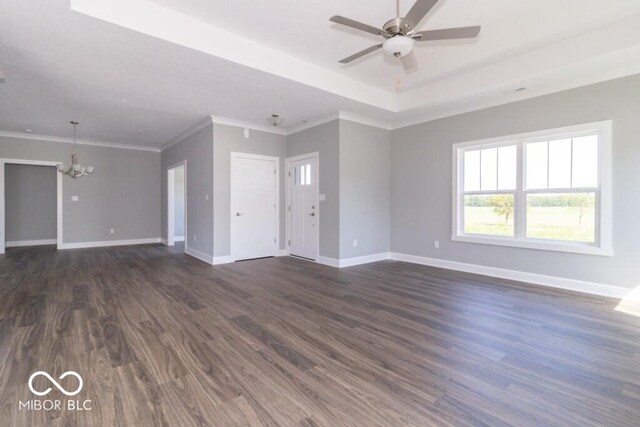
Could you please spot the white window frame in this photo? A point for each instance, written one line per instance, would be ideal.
(603, 207)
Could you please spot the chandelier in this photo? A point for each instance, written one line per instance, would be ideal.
(76, 170)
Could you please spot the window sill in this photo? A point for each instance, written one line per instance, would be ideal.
(545, 246)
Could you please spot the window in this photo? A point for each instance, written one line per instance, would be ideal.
(543, 190)
(302, 175)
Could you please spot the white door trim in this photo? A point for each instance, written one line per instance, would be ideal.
(315, 155)
(2, 199)
(234, 158)
(171, 203)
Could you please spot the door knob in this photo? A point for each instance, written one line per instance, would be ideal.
(312, 214)
(238, 214)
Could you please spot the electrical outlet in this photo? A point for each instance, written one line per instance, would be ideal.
(206, 196)
(195, 237)
(112, 231)
(436, 244)
(355, 243)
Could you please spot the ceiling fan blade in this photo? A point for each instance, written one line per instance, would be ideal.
(357, 25)
(417, 12)
(409, 62)
(361, 53)
(447, 34)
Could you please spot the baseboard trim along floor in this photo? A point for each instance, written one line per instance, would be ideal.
(592, 288)
(107, 243)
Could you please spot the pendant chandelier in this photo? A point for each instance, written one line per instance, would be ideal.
(76, 170)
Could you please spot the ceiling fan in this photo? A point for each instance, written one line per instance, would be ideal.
(399, 33)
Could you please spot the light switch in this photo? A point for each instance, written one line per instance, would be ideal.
(323, 197)
(74, 198)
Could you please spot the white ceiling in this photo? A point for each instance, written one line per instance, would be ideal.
(302, 29)
(167, 63)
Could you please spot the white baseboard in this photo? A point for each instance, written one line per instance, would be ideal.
(227, 259)
(520, 276)
(22, 243)
(106, 243)
(366, 259)
(331, 262)
(350, 262)
(178, 239)
(199, 255)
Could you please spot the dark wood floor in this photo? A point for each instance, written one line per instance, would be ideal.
(163, 339)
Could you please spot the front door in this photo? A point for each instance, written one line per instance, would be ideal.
(303, 207)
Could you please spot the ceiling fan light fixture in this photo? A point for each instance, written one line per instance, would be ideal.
(398, 46)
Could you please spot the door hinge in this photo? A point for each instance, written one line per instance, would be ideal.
(274, 240)
(289, 243)
(289, 208)
(289, 173)
(274, 171)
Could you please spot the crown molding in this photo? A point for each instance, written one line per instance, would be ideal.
(312, 123)
(248, 125)
(344, 115)
(187, 133)
(619, 65)
(341, 115)
(60, 139)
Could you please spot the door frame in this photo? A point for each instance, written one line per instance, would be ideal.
(3, 162)
(171, 203)
(289, 187)
(235, 156)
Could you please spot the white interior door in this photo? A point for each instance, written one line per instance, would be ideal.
(254, 206)
(303, 208)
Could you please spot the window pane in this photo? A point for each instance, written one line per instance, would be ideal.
(472, 170)
(507, 164)
(489, 214)
(536, 155)
(489, 169)
(564, 216)
(308, 177)
(585, 161)
(560, 163)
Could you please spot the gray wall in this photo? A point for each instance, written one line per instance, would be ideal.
(324, 139)
(229, 139)
(30, 202)
(422, 172)
(197, 150)
(364, 189)
(178, 185)
(123, 193)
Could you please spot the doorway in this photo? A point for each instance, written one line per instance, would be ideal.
(27, 211)
(254, 206)
(177, 203)
(303, 219)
